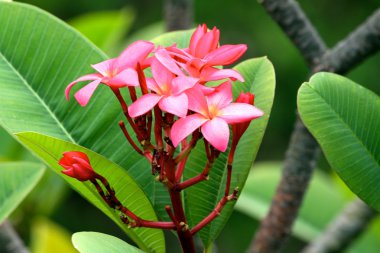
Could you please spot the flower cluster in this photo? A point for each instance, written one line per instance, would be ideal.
(178, 87)
(177, 101)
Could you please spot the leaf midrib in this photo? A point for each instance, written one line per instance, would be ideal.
(346, 125)
(34, 93)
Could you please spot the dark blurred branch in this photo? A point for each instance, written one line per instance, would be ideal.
(355, 48)
(344, 229)
(298, 168)
(290, 17)
(10, 242)
(178, 14)
(303, 150)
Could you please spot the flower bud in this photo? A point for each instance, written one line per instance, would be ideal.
(77, 165)
(239, 128)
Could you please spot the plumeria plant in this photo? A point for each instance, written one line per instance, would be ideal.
(177, 110)
(163, 136)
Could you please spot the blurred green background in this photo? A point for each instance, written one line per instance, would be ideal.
(113, 24)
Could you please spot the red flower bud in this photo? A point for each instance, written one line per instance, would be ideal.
(239, 128)
(77, 165)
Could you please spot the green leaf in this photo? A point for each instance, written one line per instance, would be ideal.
(17, 179)
(202, 198)
(129, 193)
(344, 118)
(39, 56)
(261, 184)
(93, 242)
(104, 28)
(180, 38)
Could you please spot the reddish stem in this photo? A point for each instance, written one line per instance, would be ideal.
(114, 203)
(215, 213)
(186, 151)
(142, 79)
(194, 180)
(183, 230)
(124, 106)
(126, 134)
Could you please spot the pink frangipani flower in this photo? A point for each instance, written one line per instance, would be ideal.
(169, 92)
(116, 73)
(204, 53)
(213, 114)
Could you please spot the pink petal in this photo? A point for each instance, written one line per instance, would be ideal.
(222, 96)
(197, 35)
(197, 101)
(177, 105)
(81, 79)
(105, 67)
(225, 54)
(165, 59)
(152, 85)
(182, 83)
(127, 77)
(214, 74)
(207, 43)
(240, 112)
(143, 104)
(205, 89)
(84, 94)
(134, 53)
(185, 126)
(216, 132)
(161, 74)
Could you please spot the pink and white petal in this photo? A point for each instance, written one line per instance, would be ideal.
(225, 54)
(143, 104)
(177, 105)
(222, 96)
(165, 59)
(84, 94)
(182, 83)
(185, 126)
(214, 74)
(105, 67)
(216, 132)
(197, 35)
(161, 74)
(197, 101)
(127, 77)
(240, 112)
(89, 77)
(134, 53)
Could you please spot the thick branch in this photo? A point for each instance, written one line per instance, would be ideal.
(290, 17)
(355, 48)
(10, 242)
(344, 229)
(178, 14)
(298, 167)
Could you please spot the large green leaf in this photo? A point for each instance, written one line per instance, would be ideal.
(129, 193)
(202, 198)
(344, 118)
(17, 179)
(93, 242)
(39, 56)
(104, 28)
